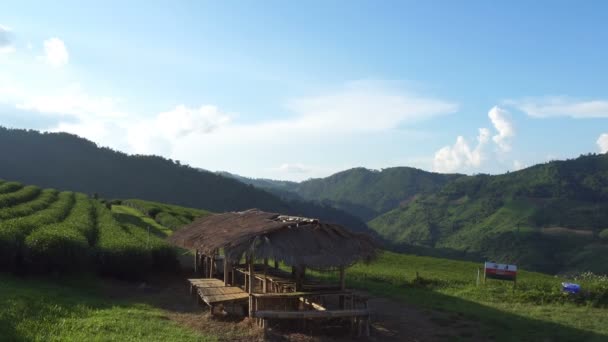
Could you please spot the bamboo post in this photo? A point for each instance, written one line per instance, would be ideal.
(196, 261)
(212, 266)
(276, 264)
(342, 278)
(225, 270)
(264, 284)
(250, 266)
(342, 286)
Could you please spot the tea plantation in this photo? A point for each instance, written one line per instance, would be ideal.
(46, 231)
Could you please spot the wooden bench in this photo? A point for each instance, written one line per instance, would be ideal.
(359, 318)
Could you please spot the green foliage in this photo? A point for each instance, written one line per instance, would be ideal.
(170, 216)
(14, 231)
(64, 246)
(45, 199)
(8, 187)
(129, 251)
(69, 162)
(604, 235)
(22, 195)
(545, 218)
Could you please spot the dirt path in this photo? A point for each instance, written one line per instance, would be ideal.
(391, 320)
(397, 321)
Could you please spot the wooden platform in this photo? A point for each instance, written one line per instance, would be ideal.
(213, 292)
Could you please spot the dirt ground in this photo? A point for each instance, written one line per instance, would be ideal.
(391, 320)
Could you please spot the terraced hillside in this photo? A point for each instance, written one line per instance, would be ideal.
(46, 230)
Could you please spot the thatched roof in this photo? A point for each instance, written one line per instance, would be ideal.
(294, 240)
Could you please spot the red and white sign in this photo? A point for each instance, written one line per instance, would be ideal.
(500, 271)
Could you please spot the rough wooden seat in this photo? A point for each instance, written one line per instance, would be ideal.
(311, 314)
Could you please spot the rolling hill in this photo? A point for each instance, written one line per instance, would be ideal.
(67, 162)
(548, 217)
(361, 192)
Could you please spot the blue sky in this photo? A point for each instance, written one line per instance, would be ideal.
(293, 90)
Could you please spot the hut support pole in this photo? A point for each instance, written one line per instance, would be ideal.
(226, 270)
(251, 279)
(212, 266)
(342, 286)
(196, 261)
(265, 281)
(276, 264)
(342, 278)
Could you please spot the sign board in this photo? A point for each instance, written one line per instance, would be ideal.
(493, 270)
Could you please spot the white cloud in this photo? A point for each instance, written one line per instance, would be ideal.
(561, 106)
(55, 52)
(6, 45)
(502, 123)
(602, 143)
(365, 106)
(164, 131)
(294, 168)
(464, 157)
(460, 155)
(518, 165)
(72, 100)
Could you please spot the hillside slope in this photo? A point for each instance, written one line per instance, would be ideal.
(361, 192)
(547, 217)
(67, 162)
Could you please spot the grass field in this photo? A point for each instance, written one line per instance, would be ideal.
(74, 309)
(535, 311)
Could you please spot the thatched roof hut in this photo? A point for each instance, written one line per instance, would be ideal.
(297, 241)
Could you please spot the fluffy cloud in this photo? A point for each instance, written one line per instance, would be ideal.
(6, 45)
(159, 134)
(294, 168)
(502, 123)
(602, 143)
(464, 157)
(518, 165)
(461, 155)
(556, 106)
(55, 52)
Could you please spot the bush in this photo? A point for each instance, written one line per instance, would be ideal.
(43, 201)
(14, 231)
(63, 246)
(604, 235)
(118, 253)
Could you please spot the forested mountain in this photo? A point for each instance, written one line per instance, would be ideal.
(67, 162)
(362, 192)
(550, 217)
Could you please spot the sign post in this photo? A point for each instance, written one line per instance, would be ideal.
(493, 270)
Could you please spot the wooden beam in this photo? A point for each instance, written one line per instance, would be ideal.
(212, 266)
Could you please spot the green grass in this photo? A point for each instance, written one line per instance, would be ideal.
(75, 310)
(537, 310)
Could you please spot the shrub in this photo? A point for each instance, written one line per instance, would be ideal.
(118, 253)
(63, 246)
(45, 199)
(22, 195)
(14, 231)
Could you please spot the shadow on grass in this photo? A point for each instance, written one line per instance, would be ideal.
(139, 222)
(451, 312)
